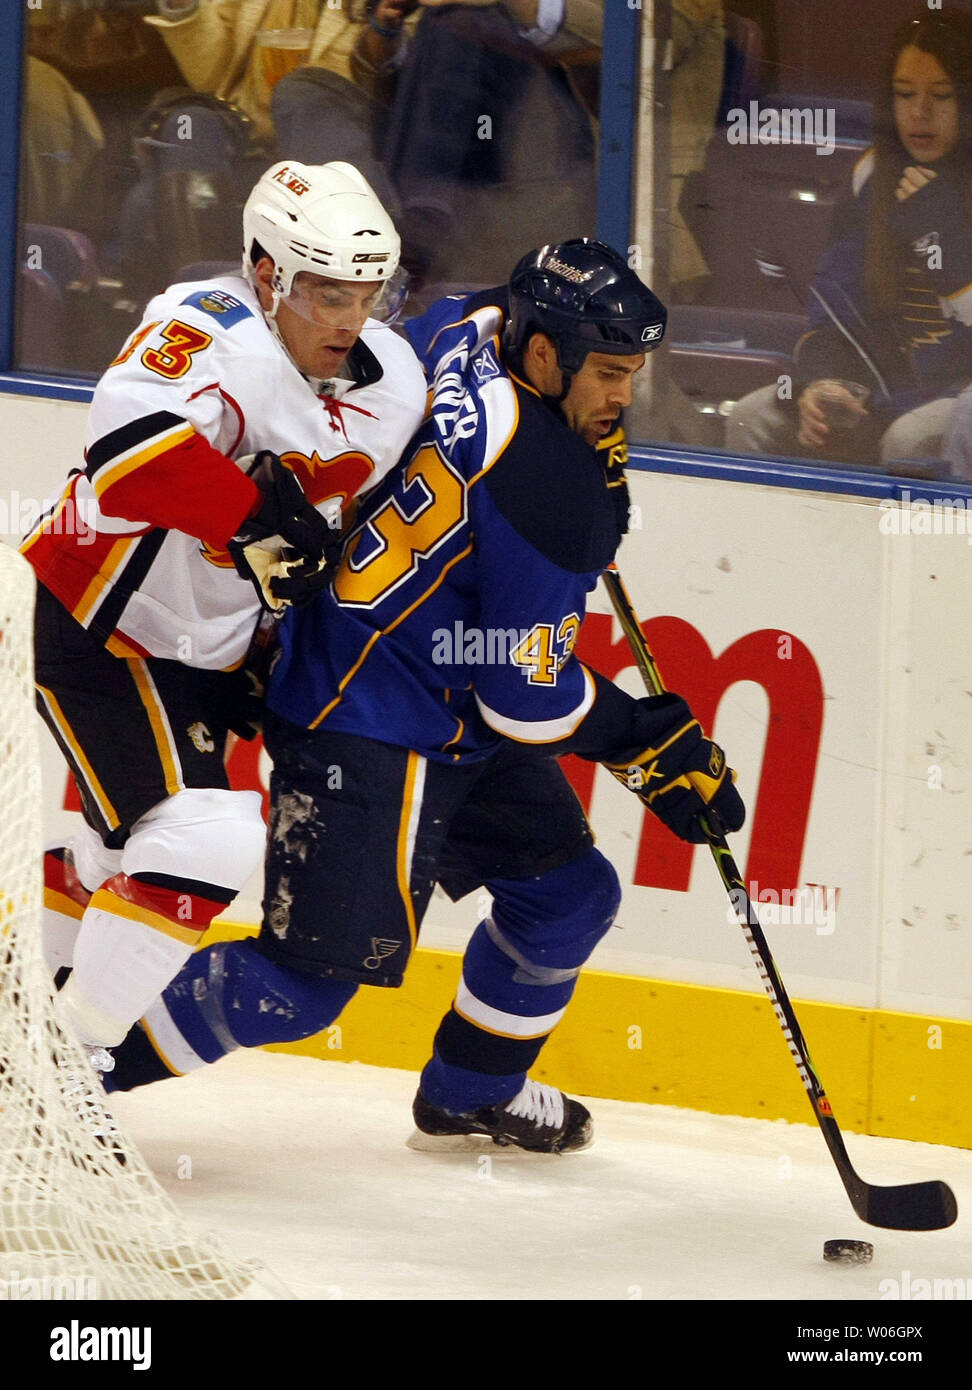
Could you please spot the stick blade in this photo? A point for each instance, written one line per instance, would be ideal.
(919, 1206)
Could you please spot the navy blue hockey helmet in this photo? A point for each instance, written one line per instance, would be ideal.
(586, 298)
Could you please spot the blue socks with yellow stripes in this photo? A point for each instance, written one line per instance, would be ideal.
(519, 973)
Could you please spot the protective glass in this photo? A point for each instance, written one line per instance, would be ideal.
(344, 304)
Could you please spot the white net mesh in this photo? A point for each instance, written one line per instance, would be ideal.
(79, 1210)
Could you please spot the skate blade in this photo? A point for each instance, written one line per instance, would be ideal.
(451, 1143)
(479, 1143)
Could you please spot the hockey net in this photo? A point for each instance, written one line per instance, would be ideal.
(80, 1212)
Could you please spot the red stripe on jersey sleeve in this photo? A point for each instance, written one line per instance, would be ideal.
(191, 487)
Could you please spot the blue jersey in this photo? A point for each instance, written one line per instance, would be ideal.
(452, 618)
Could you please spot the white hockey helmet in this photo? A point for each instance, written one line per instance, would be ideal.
(322, 218)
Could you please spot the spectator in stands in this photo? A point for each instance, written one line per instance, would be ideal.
(213, 43)
(896, 279)
(488, 187)
(490, 142)
(62, 140)
(380, 47)
(957, 449)
(699, 60)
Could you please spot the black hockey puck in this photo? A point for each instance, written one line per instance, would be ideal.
(848, 1252)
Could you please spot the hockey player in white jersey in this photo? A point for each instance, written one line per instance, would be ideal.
(510, 502)
(225, 444)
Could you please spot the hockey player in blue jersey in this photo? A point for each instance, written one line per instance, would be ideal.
(416, 707)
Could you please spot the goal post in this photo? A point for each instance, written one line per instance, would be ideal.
(81, 1215)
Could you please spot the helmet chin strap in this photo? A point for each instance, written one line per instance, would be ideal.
(567, 375)
(270, 318)
(557, 401)
(567, 378)
(270, 315)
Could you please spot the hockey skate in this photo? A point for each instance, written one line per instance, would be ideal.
(89, 1108)
(539, 1119)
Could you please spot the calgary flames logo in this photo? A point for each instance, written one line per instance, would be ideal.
(337, 479)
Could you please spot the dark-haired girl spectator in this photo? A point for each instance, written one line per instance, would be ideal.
(895, 283)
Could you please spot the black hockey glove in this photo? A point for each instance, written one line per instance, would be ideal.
(612, 455)
(285, 548)
(683, 776)
(240, 693)
(241, 702)
(298, 582)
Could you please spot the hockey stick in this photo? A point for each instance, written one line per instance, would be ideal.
(918, 1206)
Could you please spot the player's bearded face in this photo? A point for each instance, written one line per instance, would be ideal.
(599, 392)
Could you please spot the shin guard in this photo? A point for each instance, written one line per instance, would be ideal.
(226, 996)
(519, 973)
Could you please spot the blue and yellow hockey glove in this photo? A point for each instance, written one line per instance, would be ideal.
(683, 775)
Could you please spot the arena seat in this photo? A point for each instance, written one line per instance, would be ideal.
(40, 322)
(720, 355)
(779, 198)
(67, 256)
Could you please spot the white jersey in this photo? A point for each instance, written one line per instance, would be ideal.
(136, 546)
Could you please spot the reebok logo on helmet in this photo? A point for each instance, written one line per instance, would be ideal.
(597, 304)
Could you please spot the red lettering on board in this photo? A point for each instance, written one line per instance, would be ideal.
(781, 811)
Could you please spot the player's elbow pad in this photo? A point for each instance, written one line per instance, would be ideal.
(609, 727)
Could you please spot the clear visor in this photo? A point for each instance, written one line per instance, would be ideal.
(345, 304)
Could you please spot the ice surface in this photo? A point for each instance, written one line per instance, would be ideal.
(303, 1165)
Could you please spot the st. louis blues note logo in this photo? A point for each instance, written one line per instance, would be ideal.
(382, 948)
